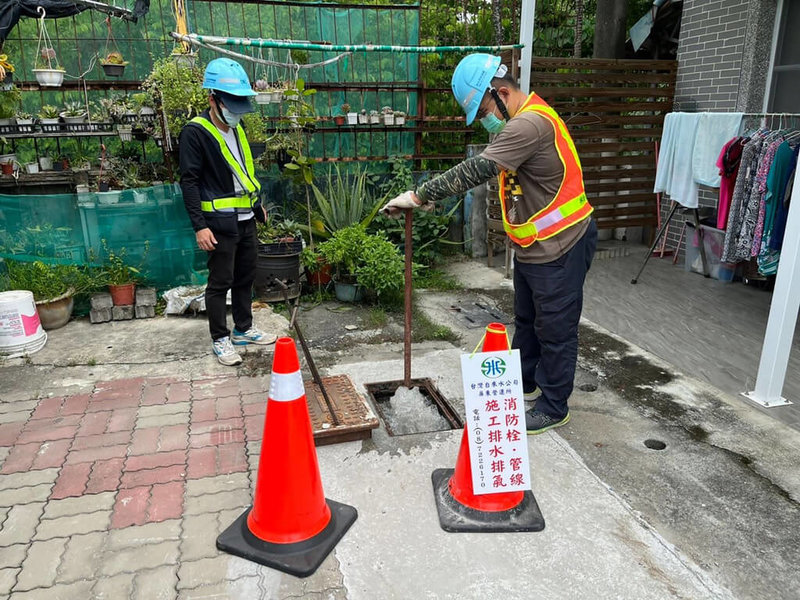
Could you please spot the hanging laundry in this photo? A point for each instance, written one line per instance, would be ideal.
(739, 218)
(674, 169)
(760, 191)
(728, 165)
(783, 193)
(713, 130)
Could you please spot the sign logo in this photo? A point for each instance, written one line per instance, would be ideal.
(493, 367)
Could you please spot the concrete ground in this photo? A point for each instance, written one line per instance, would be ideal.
(125, 449)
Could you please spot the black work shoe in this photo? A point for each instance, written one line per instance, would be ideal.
(538, 422)
(531, 396)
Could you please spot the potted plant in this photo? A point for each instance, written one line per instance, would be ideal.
(48, 118)
(9, 105)
(374, 117)
(53, 288)
(47, 70)
(363, 117)
(263, 91)
(144, 108)
(388, 115)
(6, 73)
(178, 91)
(399, 117)
(183, 56)
(279, 247)
(45, 163)
(363, 261)
(113, 64)
(255, 128)
(339, 116)
(74, 113)
(352, 116)
(318, 272)
(120, 276)
(24, 122)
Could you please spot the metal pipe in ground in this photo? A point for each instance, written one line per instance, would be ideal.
(407, 328)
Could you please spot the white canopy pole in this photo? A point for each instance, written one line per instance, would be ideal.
(782, 313)
(526, 38)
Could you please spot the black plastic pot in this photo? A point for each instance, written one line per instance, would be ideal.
(278, 261)
(112, 70)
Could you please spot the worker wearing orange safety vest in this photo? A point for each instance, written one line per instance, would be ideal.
(545, 214)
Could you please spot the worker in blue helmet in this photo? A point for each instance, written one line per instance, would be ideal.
(221, 194)
(545, 214)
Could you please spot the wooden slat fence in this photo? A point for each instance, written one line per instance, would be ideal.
(615, 112)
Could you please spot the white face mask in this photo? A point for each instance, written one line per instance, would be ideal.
(230, 118)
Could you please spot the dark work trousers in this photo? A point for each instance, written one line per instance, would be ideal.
(548, 299)
(232, 266)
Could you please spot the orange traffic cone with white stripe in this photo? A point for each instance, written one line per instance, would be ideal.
(460, 508)
(291, 526)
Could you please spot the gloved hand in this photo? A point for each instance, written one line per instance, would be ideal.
(395, 207)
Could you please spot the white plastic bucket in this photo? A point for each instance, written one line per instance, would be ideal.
(21, 332)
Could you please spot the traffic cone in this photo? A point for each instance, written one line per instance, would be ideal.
(459, 508)
(291, 526)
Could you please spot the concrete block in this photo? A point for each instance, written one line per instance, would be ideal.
(145, 296)
(145, 312)
(101, 301)
(122, 313)
(100, 315)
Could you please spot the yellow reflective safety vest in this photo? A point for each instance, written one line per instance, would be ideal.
(247, 179)
(568, 207)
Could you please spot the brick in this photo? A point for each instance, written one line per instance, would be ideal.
(113, 588)
(156, 584)
(144, 312)
(122, 419)
(148, 557)
(179, 392)
(166, 501)
(101, 300)
(7, 407)
(8, 577)
(216, 433)
(94, 423)
(154, 394)
(231, 459)
(74, 405)
(105, 475)
(178, 418)
(19, 527)
(95, 454)
(48, 408)
(12, 556)
(73, 525)
(201, 462)
(103, 315)
(203, 410)
(243, 587)
(20, 458)
(50, 423)
(119, 389)
(30, 478)
(71, 481)
(145, 296)
(163, 410)
(254, 428)
(228, 408)
(142, 536)
(213, 485)
(122, 313)
(67, 591)
(209, 571)
(51, 454)
(130, 507)
(215, 388)
(81, 556)
(144, 441)
(47, 434)
(174, 437)
(40, 566)
(197, 530)
(76, 506)
(104, 439)
(214, 502)
(160, 459)
(37, 493)
(143, 477)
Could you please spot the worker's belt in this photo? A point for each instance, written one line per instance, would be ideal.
(217, 204)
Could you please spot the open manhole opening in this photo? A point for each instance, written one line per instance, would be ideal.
(655, 444)
(419, 409)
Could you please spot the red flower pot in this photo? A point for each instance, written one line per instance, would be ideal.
(122, 295)
(8, 168)
(339, 119)
(321, 277)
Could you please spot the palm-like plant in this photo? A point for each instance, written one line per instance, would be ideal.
(346, 201)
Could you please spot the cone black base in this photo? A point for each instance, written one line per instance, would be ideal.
(300, 558)
(457, 518)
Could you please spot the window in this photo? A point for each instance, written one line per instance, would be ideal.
(784, 84)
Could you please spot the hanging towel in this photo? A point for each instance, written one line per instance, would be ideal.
(713, 131)
(674, 169)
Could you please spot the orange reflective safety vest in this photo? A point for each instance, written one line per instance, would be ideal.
(568, 207)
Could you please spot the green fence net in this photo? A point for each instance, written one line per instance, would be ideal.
(149, 223)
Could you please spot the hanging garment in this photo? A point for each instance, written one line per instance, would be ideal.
(728, 164)
(739, 201)
(783, 193)
(674, 169)
(760, 190)
(713, 131)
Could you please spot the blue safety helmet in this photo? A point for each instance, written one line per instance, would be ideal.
(226, 75)
(472, 77)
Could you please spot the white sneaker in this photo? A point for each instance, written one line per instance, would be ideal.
(225, 352)
(252, 336)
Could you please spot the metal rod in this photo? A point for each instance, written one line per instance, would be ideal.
(655, 241)
(306, 352)
(407, 328)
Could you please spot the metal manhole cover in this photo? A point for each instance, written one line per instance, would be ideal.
(356, 420)
(479, 314)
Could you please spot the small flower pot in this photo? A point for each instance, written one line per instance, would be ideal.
(388, 119)
(77, 120)
(321, 277)
(352, 118)
(348, 292)
(187, 59)
(122, 295)
(263, 97)
(25, 125)
(7, 168)
(276, 96)
(374, 119)
(399, 120)
(339, 120)
(113, 69)
(49, 77)
(363, 119)
(32, 168)
(46, 163)
(50, 125)
(125, 133)
(55, 313)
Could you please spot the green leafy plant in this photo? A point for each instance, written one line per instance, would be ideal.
(9, 102)
(347, 200)
(47, 281)
(255, 127)
(48, 112)
(114, 58)
(179, 90)
(117, 270)
(73, 109)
